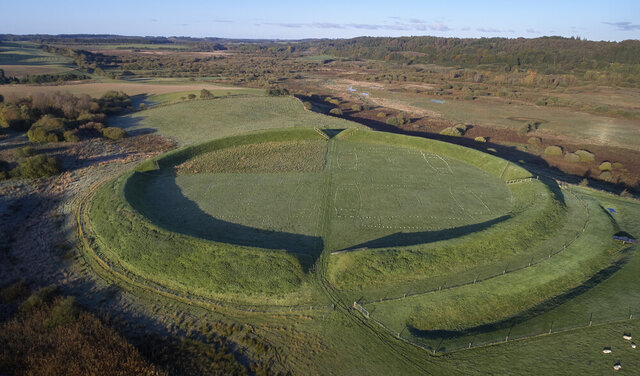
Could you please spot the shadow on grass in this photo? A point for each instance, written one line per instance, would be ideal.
(403, 239)
(532, 162)
(529, 314)
(200, 224)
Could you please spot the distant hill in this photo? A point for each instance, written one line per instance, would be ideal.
(546, 54)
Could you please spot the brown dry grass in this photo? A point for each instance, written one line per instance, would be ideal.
(80, 347)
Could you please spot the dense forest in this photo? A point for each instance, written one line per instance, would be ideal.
(551, 54)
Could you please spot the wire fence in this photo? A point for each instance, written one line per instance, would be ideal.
(516, 332)
(515, 264)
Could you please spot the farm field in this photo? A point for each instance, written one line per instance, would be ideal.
(21, 59)
(573, 126)
(159, 92)
(192, 122)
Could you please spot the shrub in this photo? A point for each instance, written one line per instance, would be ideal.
(572, 157)
(39, 135)
(381, 115)
(39, 299)
(14, 117)
(71, 136)
(14, 292)
(307, 105)
(553, 151)
(23, 152)
(585, 156)
(605, 166)
(336, 111)
(335, 102)
(205, 94)
(4, 169)
(113, 102)
(480, 139)
(64, 312)
(276, 91)
(191, 96)
(534, 141)
(606, 176)
(143, 106)
(529, 127)
(398, 120)
(451, 131)
(113, 133)
(47, 129)
(89, 117)
(541, 102)
(617, 165)
(38, 166)
(93, 126)
(356, 108)
(462, 128)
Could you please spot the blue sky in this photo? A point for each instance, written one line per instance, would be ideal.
(595, 20)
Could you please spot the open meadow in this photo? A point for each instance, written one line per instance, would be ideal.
(21, 59)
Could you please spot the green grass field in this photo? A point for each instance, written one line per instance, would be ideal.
(397, 200)
(21, 59)
(196, 121)
(177, 96)
(248, 220)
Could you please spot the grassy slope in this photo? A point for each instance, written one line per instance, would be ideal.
(223, 272)
(343, 346)
(577, 351)
(510, 294)
(536, 228)
(196, 121)
(215, 269)
(20, 59)
(177, 96)
(165, 90)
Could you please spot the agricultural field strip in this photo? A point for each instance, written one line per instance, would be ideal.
(479, 280)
